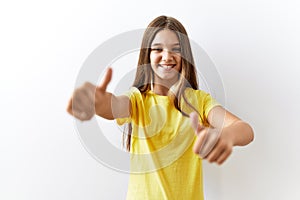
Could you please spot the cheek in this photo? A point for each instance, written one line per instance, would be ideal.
(178, 60)
(154, 58)
(152, 61)
(179, 63)
(151, 58)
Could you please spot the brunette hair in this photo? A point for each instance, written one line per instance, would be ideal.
(144, 75)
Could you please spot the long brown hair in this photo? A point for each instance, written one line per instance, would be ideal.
(144, 75)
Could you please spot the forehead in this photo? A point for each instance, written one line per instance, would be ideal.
(165, 37)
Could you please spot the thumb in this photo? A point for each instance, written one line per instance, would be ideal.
(105, 80)
(195, 122)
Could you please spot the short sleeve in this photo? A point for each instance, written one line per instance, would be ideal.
(200, 100)
(132, 95)
(205, 104)
(208, 103)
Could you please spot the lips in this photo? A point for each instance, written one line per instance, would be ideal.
(167, 66)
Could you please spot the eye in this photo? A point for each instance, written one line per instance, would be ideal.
(157, 49)
(176, 50)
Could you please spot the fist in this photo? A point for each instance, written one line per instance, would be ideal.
(88, 97)
(211, 144)
(82, 102)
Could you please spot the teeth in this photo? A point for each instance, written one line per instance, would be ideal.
(168, 67)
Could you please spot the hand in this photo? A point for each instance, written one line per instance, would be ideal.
(211, 144)
(85, 98)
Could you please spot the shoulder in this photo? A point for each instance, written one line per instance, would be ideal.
(190, 92)
(135, 95)
(200, 97)
(133, 92)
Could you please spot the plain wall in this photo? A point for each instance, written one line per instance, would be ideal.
(253, 44)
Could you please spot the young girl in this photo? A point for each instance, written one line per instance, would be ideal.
(172, 125)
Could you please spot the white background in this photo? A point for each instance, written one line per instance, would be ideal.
(254, 45)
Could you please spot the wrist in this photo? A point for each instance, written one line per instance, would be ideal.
(240, 133)
(228, 133)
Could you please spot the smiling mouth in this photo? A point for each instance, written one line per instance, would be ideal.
(167, 66)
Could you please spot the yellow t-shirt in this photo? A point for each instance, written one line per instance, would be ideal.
(162, 163)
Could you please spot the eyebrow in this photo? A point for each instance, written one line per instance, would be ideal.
(158, 44)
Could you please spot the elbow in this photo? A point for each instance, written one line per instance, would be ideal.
(250, 133)
(247, 135)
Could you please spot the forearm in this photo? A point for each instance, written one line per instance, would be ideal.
(240, 132)
(112, 107)
(103, 108)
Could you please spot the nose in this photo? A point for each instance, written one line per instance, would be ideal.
(167, 55)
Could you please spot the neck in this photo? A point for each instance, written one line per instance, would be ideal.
(162, 87)
(160, 90)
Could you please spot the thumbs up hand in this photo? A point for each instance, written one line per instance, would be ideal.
(211, 144)
(89, 99)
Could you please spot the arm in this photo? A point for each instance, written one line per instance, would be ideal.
(226, 130)
(89, 100)
(239, 131)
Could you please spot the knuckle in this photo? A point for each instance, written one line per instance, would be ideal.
(229, 151)
(195, 149)
(78, 93)
(210, 159)
(222, 145)
(86, 84)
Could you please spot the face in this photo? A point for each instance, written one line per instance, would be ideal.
(165, 57)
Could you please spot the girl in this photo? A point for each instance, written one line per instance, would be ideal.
(172, 125)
